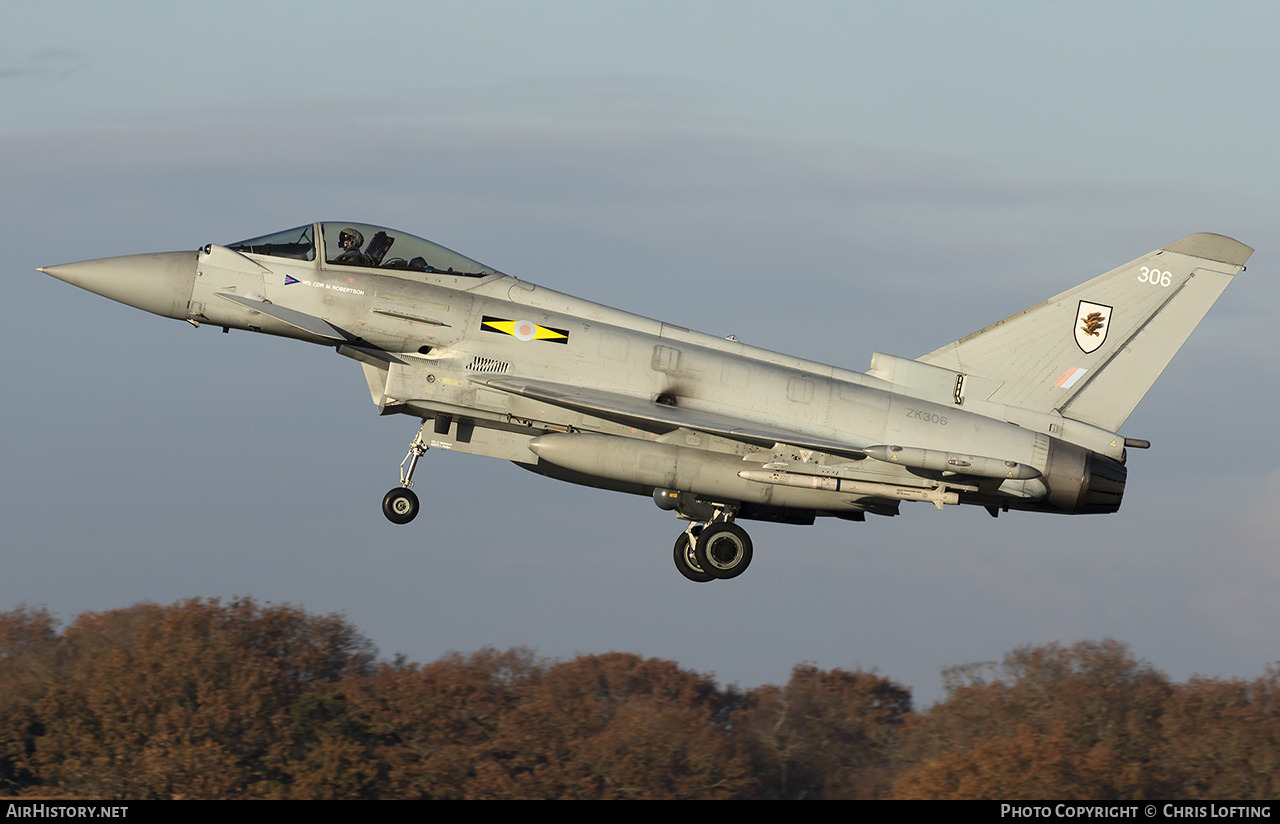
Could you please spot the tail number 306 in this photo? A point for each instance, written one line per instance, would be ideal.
(1154, 276)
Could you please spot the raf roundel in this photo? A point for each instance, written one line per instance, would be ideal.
(524, 330)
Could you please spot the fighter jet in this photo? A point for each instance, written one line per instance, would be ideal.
(1024, 414)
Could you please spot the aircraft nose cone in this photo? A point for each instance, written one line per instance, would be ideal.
(160, 283)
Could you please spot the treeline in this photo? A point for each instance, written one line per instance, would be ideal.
(204, 699)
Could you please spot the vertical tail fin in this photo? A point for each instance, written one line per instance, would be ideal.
(1092, 352)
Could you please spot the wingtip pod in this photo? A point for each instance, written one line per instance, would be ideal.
(1212, 247)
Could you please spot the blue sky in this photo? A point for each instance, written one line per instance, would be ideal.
(826, 179)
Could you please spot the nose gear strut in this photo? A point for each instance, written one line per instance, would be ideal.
(400, 505)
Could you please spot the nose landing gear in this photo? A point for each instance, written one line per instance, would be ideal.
(400, 505)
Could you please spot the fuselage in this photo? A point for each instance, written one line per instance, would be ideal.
(1022, 414)
(458, 333)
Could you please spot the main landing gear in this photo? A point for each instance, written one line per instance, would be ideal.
(719, 549)
(400, 505)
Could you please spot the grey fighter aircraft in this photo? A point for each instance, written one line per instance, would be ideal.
(1021, 415)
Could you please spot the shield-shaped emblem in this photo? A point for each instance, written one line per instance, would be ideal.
(1092, 322)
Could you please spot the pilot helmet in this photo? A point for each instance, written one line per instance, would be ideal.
(350, 238)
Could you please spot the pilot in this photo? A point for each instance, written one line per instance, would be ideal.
(350, 240)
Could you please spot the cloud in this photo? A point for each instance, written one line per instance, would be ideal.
(43, 64)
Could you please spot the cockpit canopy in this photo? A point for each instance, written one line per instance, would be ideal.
(298, 244)
(360, 244)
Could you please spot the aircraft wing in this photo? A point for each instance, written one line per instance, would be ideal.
(656, 417)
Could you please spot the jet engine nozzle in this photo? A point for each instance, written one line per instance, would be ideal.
(1084, 482)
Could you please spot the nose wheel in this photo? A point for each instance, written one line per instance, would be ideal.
(400, 505)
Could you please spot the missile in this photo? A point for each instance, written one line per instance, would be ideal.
(937, 497)
(950, 462)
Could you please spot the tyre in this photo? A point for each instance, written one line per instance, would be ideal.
(400, 505)
(723, 550)
(685, 562)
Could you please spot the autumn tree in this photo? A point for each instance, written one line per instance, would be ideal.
(432, 726)
(826, 734)
(200, 699)
(29, 662)
(1222, 738)
(621, 726)
(239, 700)
(504, 725)
(1051, 722)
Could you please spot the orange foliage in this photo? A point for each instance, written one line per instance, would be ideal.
(204, 699)
(826, 734)
(195, 699)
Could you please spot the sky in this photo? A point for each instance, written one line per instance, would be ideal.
(824, 179)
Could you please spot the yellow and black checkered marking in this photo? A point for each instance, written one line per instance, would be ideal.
(523, 329)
